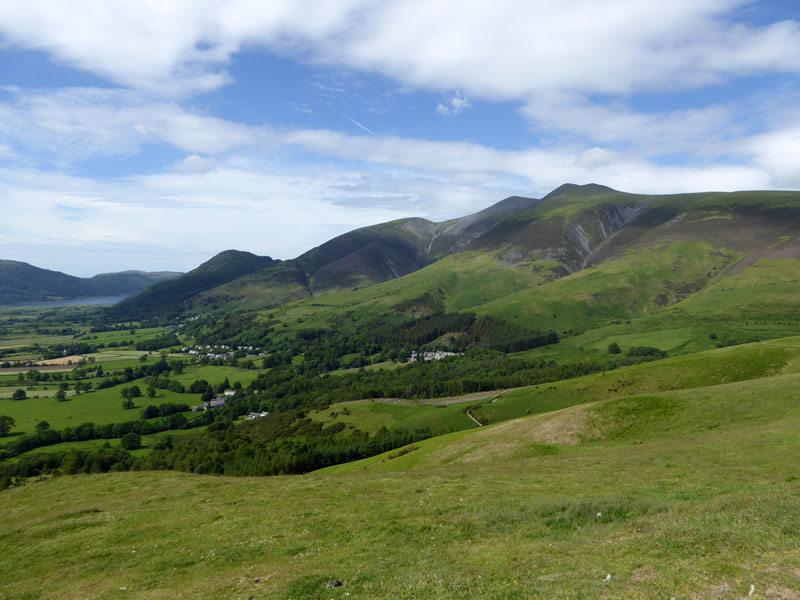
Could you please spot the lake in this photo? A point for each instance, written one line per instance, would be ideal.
(76, 301)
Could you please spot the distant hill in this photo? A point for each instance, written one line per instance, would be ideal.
(167, 297)
(22, 282)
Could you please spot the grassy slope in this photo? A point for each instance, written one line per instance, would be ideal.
(758, 301)
(686, 493)
(748, 363)
(276, 284)
(458, 282)
(369, 416)
(637, 283)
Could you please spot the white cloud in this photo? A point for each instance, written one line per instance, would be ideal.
(553, 57)
(170, 48)
(196, 164)
(504, 49)
(510, 49)
(778, 153)
(453, 106)
(696, 130)
(77, 123)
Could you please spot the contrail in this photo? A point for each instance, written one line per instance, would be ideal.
(354, 122)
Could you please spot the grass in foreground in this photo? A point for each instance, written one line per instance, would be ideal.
(685, 494)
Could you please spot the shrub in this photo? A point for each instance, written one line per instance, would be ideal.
(649, 351)
(131, 441)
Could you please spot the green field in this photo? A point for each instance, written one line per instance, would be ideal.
(30, 340)
(147, 441)
(216, 375)
(99, 407)
(123, 336)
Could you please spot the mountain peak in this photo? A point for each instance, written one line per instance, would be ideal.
(569, 189)
(235, 259)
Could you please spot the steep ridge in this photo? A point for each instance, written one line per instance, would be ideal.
(390, 250)
(565, 227)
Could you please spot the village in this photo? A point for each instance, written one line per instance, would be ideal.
(436, 355)
(222, 400)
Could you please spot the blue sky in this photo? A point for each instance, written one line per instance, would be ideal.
(152, 135)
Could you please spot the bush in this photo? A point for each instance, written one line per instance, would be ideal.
(648, 351)
(198, 387)
(613, 348)
(131, 441)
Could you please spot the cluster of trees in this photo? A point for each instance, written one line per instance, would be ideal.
(470, 332)
(279, 444)
(59, 350)
(6, 424)
(287, 386)
(648, 352)
(164, 410)
(70, 462)
(155, 375)
(162, 340)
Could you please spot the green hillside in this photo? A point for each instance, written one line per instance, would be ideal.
(692, 264)
(671, 493)
(168, 297)
(709, 385)
(588, 254)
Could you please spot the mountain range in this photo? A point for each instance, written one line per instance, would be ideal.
(608, 252)
(362, 257)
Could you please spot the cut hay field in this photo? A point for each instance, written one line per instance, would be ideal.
(73, 359)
